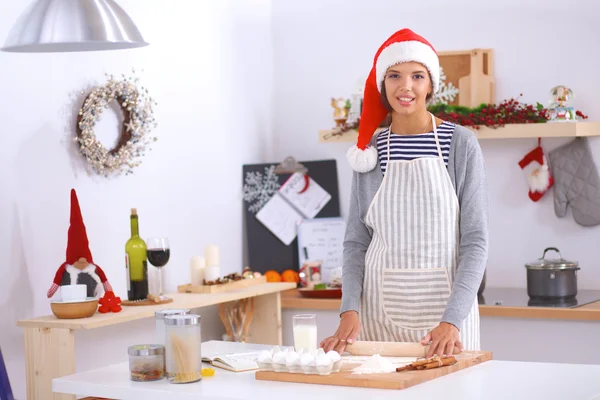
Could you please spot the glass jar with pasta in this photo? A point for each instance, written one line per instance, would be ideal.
(182, 344)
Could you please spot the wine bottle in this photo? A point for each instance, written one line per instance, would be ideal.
(136, 262)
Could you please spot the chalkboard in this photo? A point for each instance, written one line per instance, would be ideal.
(263, 250)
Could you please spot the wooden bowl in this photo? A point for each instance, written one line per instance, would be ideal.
(72, 310)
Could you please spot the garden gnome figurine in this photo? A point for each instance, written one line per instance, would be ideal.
(79, 267)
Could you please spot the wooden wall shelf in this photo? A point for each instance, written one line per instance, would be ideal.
(511, 131)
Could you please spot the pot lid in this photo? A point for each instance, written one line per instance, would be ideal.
(552, 263)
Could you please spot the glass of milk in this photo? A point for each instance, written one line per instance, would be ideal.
(305, 332)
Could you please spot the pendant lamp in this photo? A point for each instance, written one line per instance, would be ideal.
(52, 26)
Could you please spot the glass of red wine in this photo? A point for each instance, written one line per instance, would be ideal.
(158, 255)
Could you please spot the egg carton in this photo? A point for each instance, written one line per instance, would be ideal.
(301, 369)
(302, 362)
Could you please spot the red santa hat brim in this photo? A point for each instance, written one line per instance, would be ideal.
(407, 51)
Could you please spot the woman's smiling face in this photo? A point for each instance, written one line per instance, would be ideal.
(407, 86)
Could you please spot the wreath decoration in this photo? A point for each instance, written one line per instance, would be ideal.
(134, 138)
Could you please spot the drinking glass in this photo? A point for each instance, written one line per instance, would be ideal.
(158, 255)
(305, 332)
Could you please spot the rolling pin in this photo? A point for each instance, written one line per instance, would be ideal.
(390, 349)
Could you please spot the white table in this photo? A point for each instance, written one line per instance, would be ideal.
(492, 380)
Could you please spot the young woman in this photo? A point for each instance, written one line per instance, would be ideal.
(416, 242)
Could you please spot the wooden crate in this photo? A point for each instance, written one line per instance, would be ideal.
(472, 72)
(224, 287)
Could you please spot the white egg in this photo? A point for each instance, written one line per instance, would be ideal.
(280, 356)
(265, 356)
(306, 358)
(291, 358)
(323, 360)
(333, 355)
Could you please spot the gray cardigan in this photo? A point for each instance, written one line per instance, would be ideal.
(467, 172)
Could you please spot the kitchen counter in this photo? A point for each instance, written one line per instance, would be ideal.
(491, 380)
(514, 304)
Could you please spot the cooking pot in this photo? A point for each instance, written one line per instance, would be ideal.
(549, 279)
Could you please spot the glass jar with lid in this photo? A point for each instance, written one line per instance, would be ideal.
(146, 362)
(159, 317)
(182, 347)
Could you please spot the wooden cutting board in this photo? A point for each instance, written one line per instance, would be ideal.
(392, 380)
(476, 87)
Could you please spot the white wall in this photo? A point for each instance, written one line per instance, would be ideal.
(208, 66)
(321, 49)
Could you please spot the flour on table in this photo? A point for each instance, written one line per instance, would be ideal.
(375, 365)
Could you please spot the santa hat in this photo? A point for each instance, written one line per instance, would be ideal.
(402, 46)
(77, 245)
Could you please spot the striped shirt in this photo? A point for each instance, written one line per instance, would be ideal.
(409, 147)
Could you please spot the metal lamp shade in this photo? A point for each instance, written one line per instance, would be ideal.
(73, 25)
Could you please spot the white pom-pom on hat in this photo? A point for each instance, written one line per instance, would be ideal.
(362, 160)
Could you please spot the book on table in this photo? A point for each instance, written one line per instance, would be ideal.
(236, 362)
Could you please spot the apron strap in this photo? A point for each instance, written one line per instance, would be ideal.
(437, 141)
(388, 147)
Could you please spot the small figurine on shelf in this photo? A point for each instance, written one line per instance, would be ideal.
(341, 108)
(79, 267)
(560, 109)
(310, 274)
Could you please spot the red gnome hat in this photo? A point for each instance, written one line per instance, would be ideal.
(402, 46)
(77, 245)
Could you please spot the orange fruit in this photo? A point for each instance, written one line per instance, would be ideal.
(290, 276)
(273, 276)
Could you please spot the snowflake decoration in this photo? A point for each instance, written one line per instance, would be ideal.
(447, 92)
(259, 188)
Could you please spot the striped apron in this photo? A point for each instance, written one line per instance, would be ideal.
(412, 259)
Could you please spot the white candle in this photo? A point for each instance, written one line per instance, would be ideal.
(212, 273)
(211, 253)
(197, 265)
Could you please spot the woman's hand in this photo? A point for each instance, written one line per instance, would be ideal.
(443, 338)
(346, 333)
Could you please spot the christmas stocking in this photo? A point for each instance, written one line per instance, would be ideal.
(537, 173)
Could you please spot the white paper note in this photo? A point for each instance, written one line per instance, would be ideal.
(322, 239)
(280, 218)
(308, 203)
